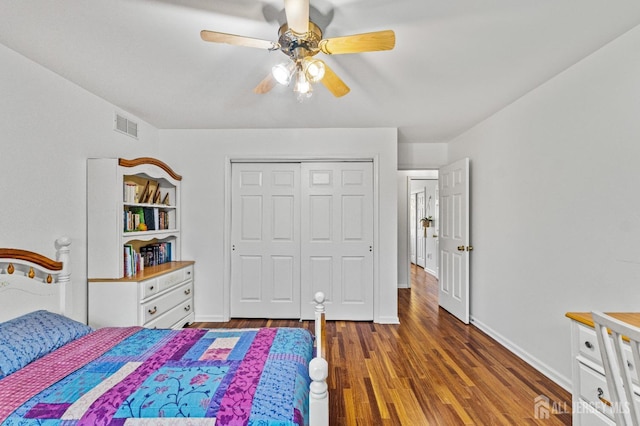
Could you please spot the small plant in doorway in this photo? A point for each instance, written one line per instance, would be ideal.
(426, 221)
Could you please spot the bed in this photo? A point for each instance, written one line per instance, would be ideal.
(58, 371)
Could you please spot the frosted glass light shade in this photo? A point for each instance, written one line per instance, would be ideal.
(282, 74)
(314, 70)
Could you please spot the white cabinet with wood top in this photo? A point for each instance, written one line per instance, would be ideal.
(159, 299)
(591, 401)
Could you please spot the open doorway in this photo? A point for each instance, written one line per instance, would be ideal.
(417, 243)
(424, 224)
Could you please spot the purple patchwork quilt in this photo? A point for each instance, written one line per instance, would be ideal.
(135, 376)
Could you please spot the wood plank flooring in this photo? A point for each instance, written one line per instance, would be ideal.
(429, 370)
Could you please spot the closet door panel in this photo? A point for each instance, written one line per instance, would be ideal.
(337, 199)
(265, 238)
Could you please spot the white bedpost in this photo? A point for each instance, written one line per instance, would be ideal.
(319, 371)
(64, 278)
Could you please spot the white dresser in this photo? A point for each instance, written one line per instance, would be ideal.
(591, 402)
(160, 297)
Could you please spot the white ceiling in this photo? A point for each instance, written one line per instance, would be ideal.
(456, 62)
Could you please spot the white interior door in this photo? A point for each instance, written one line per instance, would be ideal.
(337, 238)
(421, 233)
(454, 239)
(265, 238)
(413, 219)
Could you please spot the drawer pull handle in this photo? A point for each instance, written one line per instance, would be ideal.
(187, 308)
(187, 291)
(188, 272)
(151, 288)
(604, 401)
(153, 311)
(588, 344)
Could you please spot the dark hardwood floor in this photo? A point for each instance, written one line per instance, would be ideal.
(429, 370)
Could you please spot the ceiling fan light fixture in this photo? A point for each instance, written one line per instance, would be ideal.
(302, 87)
(313, 69)
(282, 73)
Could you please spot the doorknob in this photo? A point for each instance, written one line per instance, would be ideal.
(460, 248)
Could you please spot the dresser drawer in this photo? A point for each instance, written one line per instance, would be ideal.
(162, 304)
(594, 390)
(169, 280)
(590, 349)
(148, 288)
(173, 317)
(591, 417)
(588, 342)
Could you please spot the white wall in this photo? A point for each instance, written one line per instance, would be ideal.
(49, 128)
(202, 157)
(421, 156)
(555, 204)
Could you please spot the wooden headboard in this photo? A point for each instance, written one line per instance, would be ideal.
(30, 281)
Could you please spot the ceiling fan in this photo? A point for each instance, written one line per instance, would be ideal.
(300, 39)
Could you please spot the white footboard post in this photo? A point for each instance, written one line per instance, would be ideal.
(64, 278)
(319, 371)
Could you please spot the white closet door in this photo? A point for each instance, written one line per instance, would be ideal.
(265, 238)
(337, 238)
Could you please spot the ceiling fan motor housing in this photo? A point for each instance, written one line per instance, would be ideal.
(299, 46)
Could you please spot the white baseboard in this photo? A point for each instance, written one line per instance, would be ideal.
(543, 368)
(403, 285)
(432, 272)
(388, 320)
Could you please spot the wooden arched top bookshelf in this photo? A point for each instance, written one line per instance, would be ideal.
(149, 160)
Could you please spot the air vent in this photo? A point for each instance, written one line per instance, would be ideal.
(126, 126)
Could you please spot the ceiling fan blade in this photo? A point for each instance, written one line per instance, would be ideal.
(237, 40)
(332, 82)
(366, 42)
(265, 85)
(297, 12)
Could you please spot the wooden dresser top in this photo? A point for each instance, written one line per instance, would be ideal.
(632, 318)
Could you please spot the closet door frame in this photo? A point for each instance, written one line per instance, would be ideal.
(298, 159)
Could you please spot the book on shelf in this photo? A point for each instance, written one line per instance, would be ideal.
(133, 217)
(149, 218)
(130, 192)
(133, 261)
(156, 253)
(128, 254)
(156, 218)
